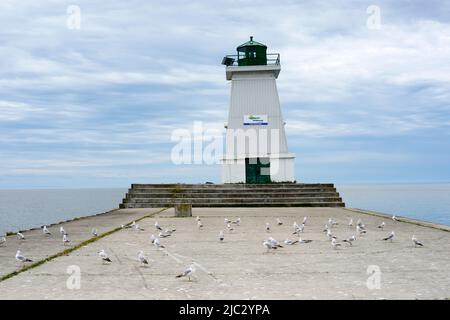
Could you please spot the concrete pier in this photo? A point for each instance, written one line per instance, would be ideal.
(238, 268)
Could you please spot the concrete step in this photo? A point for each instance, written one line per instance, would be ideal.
(235, 200)
(188, 194)
(249, 204)
(223, 190)
(233, 185)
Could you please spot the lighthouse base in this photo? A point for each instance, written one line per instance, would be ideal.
(258, 170)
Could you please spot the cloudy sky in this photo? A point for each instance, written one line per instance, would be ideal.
(96, 106)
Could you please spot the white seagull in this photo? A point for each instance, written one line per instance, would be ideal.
(199, 224)
(275, 242)
(394, 218)
(152, 238)
(390, 237)
(104, 256)
(334, 243)
(94, 232)
(279, 222)
(268, 245)
(360, 230)
(21, 258)
(221, 236)
(163, 235)
(416, 242)
(226, 220)
(157, 243)
(237, 221)
(299, 229)
(2, 241)
(157, 226)
(230, 228)
(350, 223)
(20, 236)
(188, 272)
(62, 231)
(137, 227)
(65, 240)
(381, 225)
(142, 258)
(350, 240)
(300, 240)
(45, 231)
(198, 218)
(304, 220)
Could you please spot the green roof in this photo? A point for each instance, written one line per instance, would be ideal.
(251, 43)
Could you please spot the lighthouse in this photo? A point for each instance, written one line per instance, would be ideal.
(256, 147)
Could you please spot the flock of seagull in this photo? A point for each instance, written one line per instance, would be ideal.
(269, 244)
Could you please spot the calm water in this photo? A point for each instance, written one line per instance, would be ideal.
(24, 209)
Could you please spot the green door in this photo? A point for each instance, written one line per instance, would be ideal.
(257, 170)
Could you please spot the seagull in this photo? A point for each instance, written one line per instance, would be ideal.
(230, 228)
(142, 258)
(65, 239)
(300, 240)
(137, 227)
(20, 236)
(237, 221)
(152, 238)
(45, 231)
(21, 258)
(268, 245)
(331, 222)
(94, 232)
(62, 231)
(350, 223)
(416, 242)
(104, 256)
(188, 272)
(381, 226)
(2, 241)
(326, 228)
(290, 242)
(334, 243)
(125, 226)
(394, 218)
(304, 220)
(390, 237)
(221, 236)
(267, 227)
(295, 225)
(157, 226)
(157, 244)
(350, 240)
(199, 224)
(360, 230)
(226, 220)
(279, 222)
(329, 234)
(275, 242)
(198, 218)
(299, 229)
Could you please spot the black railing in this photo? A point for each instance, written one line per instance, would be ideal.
(233, 59)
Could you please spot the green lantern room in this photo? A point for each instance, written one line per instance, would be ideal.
(252, 53)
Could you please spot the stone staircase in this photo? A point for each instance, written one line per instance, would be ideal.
(233, 195)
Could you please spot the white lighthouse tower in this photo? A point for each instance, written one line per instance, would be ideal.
(256, 146)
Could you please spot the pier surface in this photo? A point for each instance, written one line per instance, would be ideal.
(238, 268)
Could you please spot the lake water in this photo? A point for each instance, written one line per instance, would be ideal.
(24, 209)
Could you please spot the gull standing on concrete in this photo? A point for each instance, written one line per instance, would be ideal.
(360, 230)
(275, 242)
(350, 240)
(152, 238)
(267, 227)
(221, 236)
(137, 227)
(237, 221)
(94, 232)
(295, 225)
(188, 272)
(329, 234)
(394, 218)
(62, 231)
(20, 236)
(198, 218)
(279, 222)
(65, 240)
(381, 225)
(299, 229)
(334, 243)
(268, 245)
(350, 223)
(416, 242)
(157, 243)
(226, 220)
(157, 226)
(2, 240)
(300, 240)
(45, 231)
(390, 237)
(199, 225)
(230, 228)
(304, 220)
(163, 235)
(21, 258)
(104, 256)
(142, 258)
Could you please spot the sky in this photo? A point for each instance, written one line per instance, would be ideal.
(96, 106)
